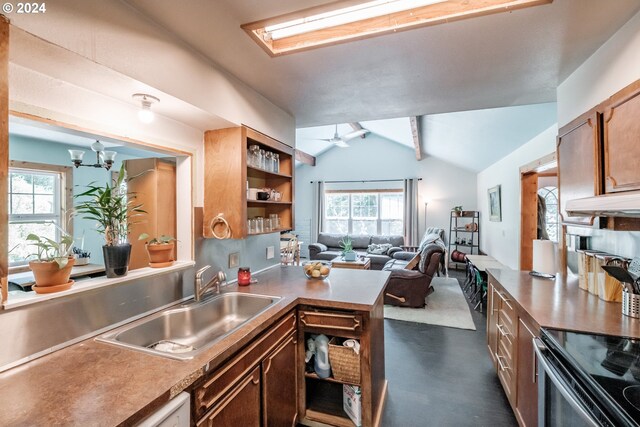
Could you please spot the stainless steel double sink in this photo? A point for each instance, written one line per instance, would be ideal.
(183, 332)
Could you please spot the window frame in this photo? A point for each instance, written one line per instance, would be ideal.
(553, 190)
(379, 220)
(63, 203)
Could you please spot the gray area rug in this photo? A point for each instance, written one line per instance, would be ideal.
(446, 306)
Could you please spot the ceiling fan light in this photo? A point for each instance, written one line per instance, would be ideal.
(145, 115)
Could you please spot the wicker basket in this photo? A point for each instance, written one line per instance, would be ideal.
(345, 362)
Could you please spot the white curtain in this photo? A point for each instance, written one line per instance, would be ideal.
(411, 212)
(318, 210)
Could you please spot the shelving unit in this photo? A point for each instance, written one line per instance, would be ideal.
(227, 174)
(457, 230)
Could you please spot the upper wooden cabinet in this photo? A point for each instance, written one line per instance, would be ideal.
(227, 175)
(579, 169)
(621, 135)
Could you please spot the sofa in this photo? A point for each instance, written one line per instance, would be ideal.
(328, 247)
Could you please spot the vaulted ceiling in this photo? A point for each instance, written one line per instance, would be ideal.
(507, 59)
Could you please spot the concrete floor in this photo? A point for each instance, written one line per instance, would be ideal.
(441, 376)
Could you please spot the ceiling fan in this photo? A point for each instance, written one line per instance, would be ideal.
(341, 141)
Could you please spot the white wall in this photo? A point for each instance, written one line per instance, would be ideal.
(374, 157)
(613, 66)
(501, 240)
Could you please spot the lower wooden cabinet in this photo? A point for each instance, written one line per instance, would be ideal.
(510, 334)
(258, 386)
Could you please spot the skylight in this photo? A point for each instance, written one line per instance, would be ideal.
(344, 21)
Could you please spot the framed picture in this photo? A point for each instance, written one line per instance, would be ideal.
(495, 204)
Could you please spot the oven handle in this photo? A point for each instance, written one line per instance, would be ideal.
(560, 384)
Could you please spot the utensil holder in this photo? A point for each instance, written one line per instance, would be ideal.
(630, 304)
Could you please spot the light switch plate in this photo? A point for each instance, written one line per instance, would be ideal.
(270, 252)
(234, 260)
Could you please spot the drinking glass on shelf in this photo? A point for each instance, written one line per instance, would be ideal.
(276, 163)
(268, 163)
(251, 226)
(275, 221)
(252, 160)
(259, 225)
(262, 159)
(267, 225)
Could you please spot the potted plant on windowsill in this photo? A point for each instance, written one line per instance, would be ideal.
(347, 249)
(52, 266)
(114, 210)
(82, 257)
(160, 250)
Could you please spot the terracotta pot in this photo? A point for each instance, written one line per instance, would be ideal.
(50, 274)
(160, 254)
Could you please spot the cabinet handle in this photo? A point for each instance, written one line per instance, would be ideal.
(356, 322)
(501, 330)
(505, 299)
(535, 364)
(502, 367)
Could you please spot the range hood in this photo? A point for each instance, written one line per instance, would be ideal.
(609, 205)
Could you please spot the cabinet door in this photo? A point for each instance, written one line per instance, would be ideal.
(527, 381)
(280, 386)
(621, 135)
(578, 164)
(493, 306)
(241, 407)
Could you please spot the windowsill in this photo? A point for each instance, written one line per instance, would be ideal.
(20, 299)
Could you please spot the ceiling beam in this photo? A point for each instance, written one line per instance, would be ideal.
(415, 132)
(357, 126)
(305, 158)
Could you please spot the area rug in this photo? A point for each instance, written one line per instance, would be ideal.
(446, 306)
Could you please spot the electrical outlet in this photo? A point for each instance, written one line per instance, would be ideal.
(234, 260)
(271, 252)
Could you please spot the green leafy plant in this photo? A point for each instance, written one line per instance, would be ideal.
(163, 239)
(49, 250)
(457, 208)
(80, 253)
(111, 207)
(346, 244)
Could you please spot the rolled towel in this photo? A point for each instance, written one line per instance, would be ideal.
(354, 344)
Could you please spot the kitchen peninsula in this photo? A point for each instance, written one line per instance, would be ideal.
(93, 383)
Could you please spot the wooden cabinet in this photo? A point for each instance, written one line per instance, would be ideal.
(621, 133)
(257, 386)
(579, 171)
(510, 335)
(321, 399)
(227, 176)
(527, 381)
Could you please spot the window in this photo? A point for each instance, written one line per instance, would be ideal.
(551, 220)
(35, 206)
(364, 212)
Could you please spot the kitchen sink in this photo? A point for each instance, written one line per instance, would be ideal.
(183, 332)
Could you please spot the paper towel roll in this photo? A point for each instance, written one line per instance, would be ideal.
(544, 257)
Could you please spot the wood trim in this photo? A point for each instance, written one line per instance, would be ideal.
(447, 11)
(52, 122)
(540, 165)
(529, 218)
(267, 140)
(4, 157)
(305, 158)
(415, 132)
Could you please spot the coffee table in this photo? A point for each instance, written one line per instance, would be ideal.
(361, 263)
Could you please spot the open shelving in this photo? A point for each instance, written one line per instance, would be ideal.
(457, 224)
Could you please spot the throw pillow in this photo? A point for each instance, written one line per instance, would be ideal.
(381, 249)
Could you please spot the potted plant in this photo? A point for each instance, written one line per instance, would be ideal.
(114, 210)
(457, 210)
(347, 249)
(160, 250)
(52, 266)
(82, 257)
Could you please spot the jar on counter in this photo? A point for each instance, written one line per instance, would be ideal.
(244, 276)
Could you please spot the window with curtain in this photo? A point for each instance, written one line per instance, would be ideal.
(551, 219)
(364, 212)
(34, 207)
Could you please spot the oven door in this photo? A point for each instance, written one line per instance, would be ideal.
(562, 401)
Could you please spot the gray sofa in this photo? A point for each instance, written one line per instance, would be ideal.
(328, 247)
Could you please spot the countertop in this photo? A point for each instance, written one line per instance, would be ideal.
(561, 304)
(98, 384)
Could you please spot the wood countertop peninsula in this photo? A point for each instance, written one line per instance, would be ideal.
(98, 384)
(561, 304)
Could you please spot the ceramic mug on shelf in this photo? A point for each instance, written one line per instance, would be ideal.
(253, 193)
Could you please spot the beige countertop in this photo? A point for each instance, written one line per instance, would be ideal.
(98, 384)
(561, 304)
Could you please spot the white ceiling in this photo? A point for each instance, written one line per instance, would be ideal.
(507, 59)
(472, 140)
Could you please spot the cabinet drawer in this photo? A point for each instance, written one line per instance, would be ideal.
(507, 323)
(330, 321)
(223, 379)
(505, 373)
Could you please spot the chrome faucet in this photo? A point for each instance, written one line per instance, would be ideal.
(200, 290)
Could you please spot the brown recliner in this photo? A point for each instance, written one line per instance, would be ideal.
(407, 286)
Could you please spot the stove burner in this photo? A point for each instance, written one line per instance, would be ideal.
(632, 394)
